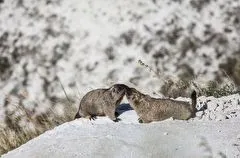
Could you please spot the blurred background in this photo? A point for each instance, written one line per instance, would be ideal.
(54, 51)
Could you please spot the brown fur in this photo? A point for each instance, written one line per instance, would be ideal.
(151, 109)
(101, 102)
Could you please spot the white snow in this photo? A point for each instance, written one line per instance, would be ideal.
(197, 137)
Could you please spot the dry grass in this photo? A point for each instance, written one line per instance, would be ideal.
(15, 133)
(175, 87)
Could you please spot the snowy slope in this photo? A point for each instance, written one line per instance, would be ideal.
(170, 138)
(103, 138)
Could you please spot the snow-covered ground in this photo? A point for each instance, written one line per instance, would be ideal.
(199, 137)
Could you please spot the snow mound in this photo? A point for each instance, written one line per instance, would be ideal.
(127, 138)
(103, 138)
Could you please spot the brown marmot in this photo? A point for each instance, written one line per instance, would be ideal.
(152, 109)
(101, 102)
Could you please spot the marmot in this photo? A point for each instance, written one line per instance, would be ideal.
(152, 109)
(101, 102)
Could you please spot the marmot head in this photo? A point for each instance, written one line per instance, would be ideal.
(132, 95)
(118, 90)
